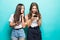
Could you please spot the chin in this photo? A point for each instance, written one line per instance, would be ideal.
(22, 13)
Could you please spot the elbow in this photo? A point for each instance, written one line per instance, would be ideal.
(23, 25)
(11, 25)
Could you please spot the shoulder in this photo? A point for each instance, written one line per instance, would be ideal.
(11, 18)
(12, 15)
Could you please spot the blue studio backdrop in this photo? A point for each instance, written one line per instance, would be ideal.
(49, 9)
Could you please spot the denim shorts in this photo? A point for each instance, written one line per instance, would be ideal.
(18, 33)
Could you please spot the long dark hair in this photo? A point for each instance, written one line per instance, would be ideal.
(37, 13)
(17, 13)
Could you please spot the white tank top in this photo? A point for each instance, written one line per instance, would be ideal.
(12, 19)
(20, 25)
(34, 23)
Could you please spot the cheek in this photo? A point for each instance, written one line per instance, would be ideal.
(34, 10)
(22, 10)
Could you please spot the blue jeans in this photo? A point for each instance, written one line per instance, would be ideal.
(17, 34)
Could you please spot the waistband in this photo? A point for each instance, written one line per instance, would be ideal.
(18, 28)
(34, 27)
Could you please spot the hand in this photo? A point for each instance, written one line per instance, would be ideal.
(22, 15)
(37, 18)
(32, 18)
(14, 24)
(17, 23)
(33, 15)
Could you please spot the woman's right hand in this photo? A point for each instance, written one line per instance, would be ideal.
(17, 23)
(32, 18)
(13, 24)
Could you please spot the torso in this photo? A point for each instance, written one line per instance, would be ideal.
(34, 22)
(18, 26)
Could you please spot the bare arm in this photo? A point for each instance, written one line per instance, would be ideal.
(12, 24)
(23, 23)
(39, 22)
(28, 21)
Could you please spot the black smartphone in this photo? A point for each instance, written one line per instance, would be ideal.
(35, 16)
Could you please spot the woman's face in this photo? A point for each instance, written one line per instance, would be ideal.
(34, 9)
(22, 9)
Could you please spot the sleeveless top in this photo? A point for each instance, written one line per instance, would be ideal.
(12, 19)
(34, 23)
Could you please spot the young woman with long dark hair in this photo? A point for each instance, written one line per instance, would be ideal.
(17, 21)
(34, 22)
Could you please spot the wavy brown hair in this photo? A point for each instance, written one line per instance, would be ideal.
(37, 13)
(17, 12)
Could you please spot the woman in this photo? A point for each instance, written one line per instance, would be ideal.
(34, 21)
(17, 21)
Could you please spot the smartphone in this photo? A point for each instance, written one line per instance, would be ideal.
(35, 16)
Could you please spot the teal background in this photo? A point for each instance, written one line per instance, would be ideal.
(49, 9)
